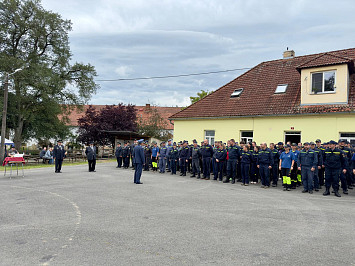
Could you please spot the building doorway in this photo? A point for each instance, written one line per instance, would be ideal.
(349, 137)
(293, 137)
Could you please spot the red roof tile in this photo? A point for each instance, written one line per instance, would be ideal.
(165, 112)
(325, 60)
(258, 97)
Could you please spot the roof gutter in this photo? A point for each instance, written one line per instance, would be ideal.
(258, 116)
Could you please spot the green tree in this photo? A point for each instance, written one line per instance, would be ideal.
(37, 40)
(200, 95)
(153, 124)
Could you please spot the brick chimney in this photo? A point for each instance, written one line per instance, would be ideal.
(289, 54)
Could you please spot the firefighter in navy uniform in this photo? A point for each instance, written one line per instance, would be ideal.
(147, 156)
(221, 156)
(307, 163)
(206, 153)
(275, 165)
(319, 166)
(174, 157)
(195, 159)
(345, 177)
(233, 156)
(295, 173)
(265, 162)
(321, 170)
(183, 158)
(334, 163)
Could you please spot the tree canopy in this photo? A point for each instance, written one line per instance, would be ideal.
(200, 95)
(93, 126)
(37, 41)
(153, 124)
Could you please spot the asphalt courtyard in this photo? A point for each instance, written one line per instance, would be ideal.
(103, 218)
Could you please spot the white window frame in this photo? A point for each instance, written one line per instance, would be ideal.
(246, 139)
(237, 93)
(322, 72)
(283, 86)
(210, 138)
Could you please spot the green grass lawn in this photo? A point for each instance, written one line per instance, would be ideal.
(66, 163)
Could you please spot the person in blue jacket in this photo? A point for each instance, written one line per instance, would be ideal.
(138, 157)
(287, 161)
(155, 152)
(59, 154)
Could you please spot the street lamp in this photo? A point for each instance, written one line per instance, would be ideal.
(4, 113)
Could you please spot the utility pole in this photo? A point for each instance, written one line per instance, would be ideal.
(4, 114)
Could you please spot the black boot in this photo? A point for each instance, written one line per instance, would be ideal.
(226, 180)
(193, 175)
(198, 176)
(233, 181)
(337, 194)
(326, 192)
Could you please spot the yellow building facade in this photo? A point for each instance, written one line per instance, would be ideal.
(296, 99)
(269, 129)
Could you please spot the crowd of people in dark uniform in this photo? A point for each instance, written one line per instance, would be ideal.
(311, 164)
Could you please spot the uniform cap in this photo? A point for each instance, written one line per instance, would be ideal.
(318, 141)
(59, 140)
(194, 141)
(288, 146)
(185, 141)
(312, 143)
(333, 142)
(141, 140)
(174, 144)
(170, 139)
(118, 143)
(306, 143)
(293, 144)
(280, 143)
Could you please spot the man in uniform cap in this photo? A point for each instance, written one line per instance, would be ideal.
(345, 178)
(195, 159)
(319, 166)
(169, 148)
(91, 156)
(183, 157)
(59, 155)
(163, 153)
(307, 164)
(138, 157)
(118, 154)
(334, 163)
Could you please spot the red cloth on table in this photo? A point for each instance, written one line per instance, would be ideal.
(13, 159)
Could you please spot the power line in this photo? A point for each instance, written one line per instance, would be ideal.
(176, 76)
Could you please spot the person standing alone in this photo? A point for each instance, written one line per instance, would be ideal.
(59, 155)
(91, 156)
(138, 157)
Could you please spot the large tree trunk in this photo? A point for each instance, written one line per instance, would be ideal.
(18, 133)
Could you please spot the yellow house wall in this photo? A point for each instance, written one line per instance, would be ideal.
(267, 129)
(341, 83)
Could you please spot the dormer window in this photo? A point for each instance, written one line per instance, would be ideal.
(323, 82)
(281, 88)
(237, 93)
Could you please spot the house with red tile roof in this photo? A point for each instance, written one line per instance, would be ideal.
(296, 99)
(143, 113)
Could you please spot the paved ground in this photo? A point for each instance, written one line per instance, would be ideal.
(102, 218)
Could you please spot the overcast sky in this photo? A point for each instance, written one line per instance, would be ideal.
(145, 38)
